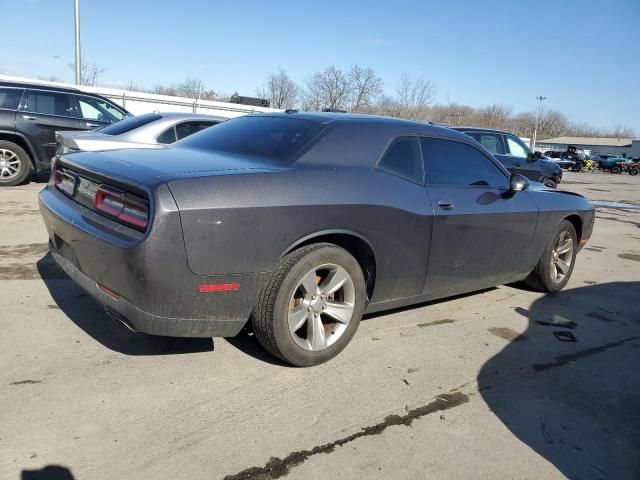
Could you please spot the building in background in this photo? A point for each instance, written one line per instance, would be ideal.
(597, 146)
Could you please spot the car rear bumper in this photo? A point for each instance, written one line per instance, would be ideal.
(140, 321)
(145, 282)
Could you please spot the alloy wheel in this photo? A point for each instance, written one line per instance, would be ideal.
(9, 164)
(321, 307)
(561, 257)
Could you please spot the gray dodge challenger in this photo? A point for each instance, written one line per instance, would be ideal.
(299, 223)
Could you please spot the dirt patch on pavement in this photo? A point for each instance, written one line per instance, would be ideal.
(435, 322)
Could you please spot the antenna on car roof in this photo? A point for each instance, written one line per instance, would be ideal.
(291, 110)
(333, 110)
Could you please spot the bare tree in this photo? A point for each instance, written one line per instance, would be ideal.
(191, 87)
(494, 116)
(415, 96)
(330, 89)
(366, 88)
(280, 90)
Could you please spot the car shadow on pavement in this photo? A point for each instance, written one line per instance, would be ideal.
(50, 472)
(574, 397)
(90, 317)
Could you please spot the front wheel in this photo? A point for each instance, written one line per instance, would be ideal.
(616, 170)
(555, 266)
(634, 171)
(312, 305)
(550, 183)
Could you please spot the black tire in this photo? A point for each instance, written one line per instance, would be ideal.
(270, 317)
(541, 277)
(548, 182)
(24, 167)
(634, 171)
(615, 170)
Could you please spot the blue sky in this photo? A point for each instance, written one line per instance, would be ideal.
(582, 55)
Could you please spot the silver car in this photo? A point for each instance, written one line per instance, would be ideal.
(143, 131)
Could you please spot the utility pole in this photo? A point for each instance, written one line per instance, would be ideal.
(78, 62)
(538, 113)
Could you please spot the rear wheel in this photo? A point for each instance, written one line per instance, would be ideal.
(312, 305)
(634, 171)
(616, 169)
(14, 164)
(555, 266)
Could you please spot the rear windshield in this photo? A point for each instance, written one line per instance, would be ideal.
(276, 138)
(124, 126)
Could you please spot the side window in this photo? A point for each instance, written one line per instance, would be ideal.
(167, 137)
(516, 147)
(49, 103)
(189, 128)
(490, 141)
(449, 162)
(402, 158)
(10, 98)
(99, 110)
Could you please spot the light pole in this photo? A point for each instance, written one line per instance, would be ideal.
(535, 130)
(78, 62)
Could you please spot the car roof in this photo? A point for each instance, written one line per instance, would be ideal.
(480, 129)
(396, 124)
(189, 116)
(40, 86)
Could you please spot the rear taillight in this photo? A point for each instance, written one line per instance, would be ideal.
(66, 182)
(126, 208)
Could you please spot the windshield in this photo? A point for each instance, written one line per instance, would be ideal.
(264, 136)
(129, 124)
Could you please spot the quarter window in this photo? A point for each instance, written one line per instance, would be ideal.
(402, 158)
(167, 137)
(10, 98)
(50, 103)
(448, 162)
(516, 148)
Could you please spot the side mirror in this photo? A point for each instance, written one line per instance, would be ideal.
(533, 156)
(518, 183)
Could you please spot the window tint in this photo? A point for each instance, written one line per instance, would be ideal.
(189, 128)
(10, 98)
(402, 158)
(98, 109)
(50, 103)
(167, 137)
(490, 141)
(261, 135)
(516, 148)
(129, 124)
(452, 163)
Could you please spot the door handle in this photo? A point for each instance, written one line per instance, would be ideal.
(28, 117)
(92, 125)
(445, 204)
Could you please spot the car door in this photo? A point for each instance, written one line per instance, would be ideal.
(481, 229)
(521, 159)
(42, 112)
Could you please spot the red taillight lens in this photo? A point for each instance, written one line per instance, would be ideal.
(122, 206)
(66, 182)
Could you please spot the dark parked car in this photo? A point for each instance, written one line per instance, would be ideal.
(302, 222)
(515, 155)
(30, 114)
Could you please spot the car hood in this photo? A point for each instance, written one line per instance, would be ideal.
(540, 187)
(154, 166)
